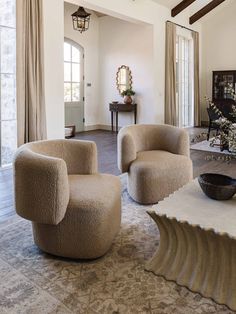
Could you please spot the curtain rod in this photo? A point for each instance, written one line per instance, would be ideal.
(182, 26)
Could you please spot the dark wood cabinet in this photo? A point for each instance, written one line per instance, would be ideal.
(223, 83)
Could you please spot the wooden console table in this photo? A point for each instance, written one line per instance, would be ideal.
(119, 107)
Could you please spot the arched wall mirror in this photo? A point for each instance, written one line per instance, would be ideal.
(123, 78)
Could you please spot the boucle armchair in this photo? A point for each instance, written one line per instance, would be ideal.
(156, 158)
(75, 211)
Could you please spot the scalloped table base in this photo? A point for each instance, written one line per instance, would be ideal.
(198, 243)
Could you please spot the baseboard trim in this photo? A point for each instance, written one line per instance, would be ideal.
(204, 123)
(105, 127)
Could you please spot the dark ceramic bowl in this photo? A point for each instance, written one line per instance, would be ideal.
(217, 186)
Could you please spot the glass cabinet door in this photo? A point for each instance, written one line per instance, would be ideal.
(224, 85)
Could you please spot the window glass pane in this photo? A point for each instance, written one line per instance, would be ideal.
(75, 55)
(75, 72)
(184, 81)
(8, 97)
(67, 92)
(67, 72)
(72, 73)
(8, 138)
(67, 52)
(75, 91)
(8, 141)
(7, 15)
(8, 54)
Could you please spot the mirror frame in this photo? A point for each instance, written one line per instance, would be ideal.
(130, 80)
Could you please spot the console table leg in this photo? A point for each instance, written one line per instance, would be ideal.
(112, 125)
(117, 122)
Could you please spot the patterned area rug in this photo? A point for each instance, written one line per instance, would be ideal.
(34, 282)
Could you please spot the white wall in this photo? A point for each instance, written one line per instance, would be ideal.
(125, 43)
(54, 72)
(218, 48)
(89, 40)
(145, 11)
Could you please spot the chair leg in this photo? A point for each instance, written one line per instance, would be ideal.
(209, 131)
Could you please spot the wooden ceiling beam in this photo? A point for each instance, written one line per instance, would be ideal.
(205, 10)
(181, 6)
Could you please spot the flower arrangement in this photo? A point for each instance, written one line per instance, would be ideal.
(128, 92)
(231, 91)
(227, 128)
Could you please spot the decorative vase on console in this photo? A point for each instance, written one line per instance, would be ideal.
(127, 94)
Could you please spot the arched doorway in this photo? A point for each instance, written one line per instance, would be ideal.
(74, 84)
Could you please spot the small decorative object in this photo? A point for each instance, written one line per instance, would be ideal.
(216, 186)
(81, 20)
(115, 102)
(127, 94)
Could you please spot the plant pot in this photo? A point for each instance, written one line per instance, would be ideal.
(128, 100)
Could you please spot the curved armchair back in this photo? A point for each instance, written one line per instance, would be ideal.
(146, 137)
(41, 186)
(41, 176)
(80, 156)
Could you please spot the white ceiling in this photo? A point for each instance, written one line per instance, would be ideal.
(172, 3)
(197, 5)
(168, 3)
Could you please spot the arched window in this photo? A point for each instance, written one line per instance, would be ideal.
(73, 72)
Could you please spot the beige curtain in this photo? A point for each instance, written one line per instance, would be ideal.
(197, 108)
(170, 75)
(30, 72)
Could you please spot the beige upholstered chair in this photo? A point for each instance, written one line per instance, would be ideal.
(156, 158)
(75, 211)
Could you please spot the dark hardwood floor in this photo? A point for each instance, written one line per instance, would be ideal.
(107, 149)
(107, 160)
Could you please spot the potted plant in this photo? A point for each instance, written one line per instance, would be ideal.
(127, 94)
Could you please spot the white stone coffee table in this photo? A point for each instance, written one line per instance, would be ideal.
(197, 243)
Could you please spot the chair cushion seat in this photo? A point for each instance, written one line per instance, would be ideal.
(156, 174)
(157, 161)
(93, 191)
